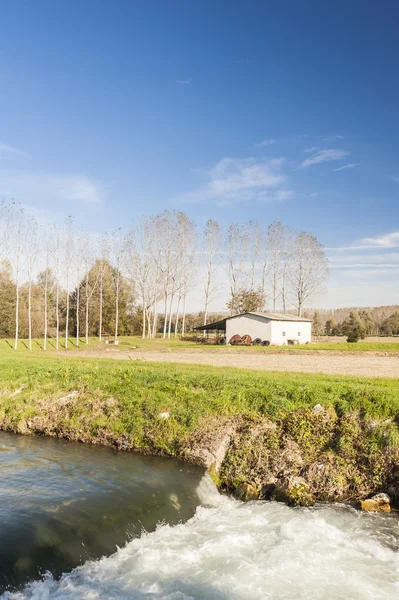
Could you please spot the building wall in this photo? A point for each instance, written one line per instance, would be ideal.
(293, 330)
(256, 327)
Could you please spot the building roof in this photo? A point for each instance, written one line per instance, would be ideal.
(275, 316)
(221, 325)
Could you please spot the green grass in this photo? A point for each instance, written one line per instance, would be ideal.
(120, 403)
(188, 391)
(135, 343)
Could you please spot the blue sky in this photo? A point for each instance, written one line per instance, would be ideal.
(232, 110)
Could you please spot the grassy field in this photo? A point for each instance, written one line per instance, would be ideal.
(186, 391)
(178, 410)
(135, 344)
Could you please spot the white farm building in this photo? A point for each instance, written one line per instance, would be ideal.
(266, 328)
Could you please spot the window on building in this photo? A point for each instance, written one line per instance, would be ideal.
(284, 333)
(299, 333)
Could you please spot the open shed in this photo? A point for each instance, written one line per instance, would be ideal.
(272, 328)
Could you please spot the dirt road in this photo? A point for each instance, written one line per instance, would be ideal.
(362, 365)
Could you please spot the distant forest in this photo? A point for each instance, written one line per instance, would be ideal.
(377, 320)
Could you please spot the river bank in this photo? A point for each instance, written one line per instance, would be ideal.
(295, 437)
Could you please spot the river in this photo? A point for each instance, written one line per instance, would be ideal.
(165, 533)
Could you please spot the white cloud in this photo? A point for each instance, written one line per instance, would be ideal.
(389, 240)
(333, 137)
(348, 166)
(8, 152)
(315, 194)
(283, 195)
(242, 180)
(383, 242)
(311, 149)
(38, 187)
(183, 81)
(265, 143)
(324, 156)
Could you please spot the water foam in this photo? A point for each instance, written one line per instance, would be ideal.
(236, 551)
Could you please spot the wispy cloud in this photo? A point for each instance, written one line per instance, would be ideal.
(333, 137)
(383, 242)
(315, 194)
(38, 187)
(8, 152)
(389, 240)
(395, 178)
(265, 143)
(348, 166)
(242, 180)
(311, 150)
(323, 156)
(183, 81)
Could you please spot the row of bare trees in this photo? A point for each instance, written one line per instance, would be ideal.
(163, 259)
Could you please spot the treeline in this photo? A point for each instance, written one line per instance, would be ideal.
(378, 320)
(57, 280)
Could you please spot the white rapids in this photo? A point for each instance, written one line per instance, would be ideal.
(235, 551)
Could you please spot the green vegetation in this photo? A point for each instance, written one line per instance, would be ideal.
(188, 392)
(179, 410)
(176, 344)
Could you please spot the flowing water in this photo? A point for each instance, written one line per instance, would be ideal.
(227, 550)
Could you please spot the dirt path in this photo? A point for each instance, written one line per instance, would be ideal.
(363, 365)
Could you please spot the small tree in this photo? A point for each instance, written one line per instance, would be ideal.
(330, 326)
(317, 325)
(354, 328)
(246, 301)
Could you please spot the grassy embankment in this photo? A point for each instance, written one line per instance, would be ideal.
(135, 343)
(346, 451)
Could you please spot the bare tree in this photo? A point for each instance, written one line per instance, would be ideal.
(186, 245)
(117, 249)
(18, 248)
(90, 282)
(211, 245)
(104, 254)
(45, 280)
(78, 259)
(274, 244)
(31, 251)
(6, 227)
(309, 270)
(68, 262)
(286, 257)
(56, 267)
(237, 258)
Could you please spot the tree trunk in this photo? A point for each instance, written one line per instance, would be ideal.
(116, 309)
(77, 313)
(87, 320)
(67, 319)
(101, 310)
(30, 314)
(57, 316)
(183, 324)
(165, 324)
(154, 323)
(45, 317)
(177, 315)
(170, 315)
(16, 317)
(144, 321)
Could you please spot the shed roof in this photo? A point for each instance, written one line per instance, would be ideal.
(274, 316)
(221, 325)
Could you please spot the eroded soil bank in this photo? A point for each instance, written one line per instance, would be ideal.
(294, 437)
(305, 456)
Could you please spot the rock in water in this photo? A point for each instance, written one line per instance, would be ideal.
(378, 503)
(294, 491)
